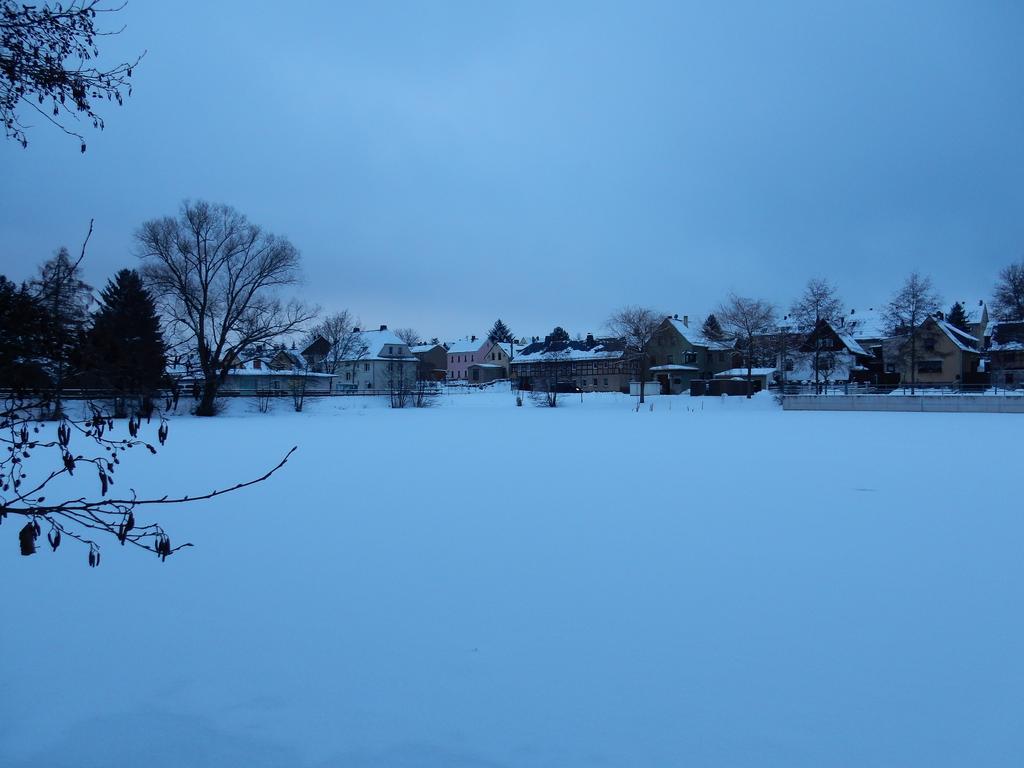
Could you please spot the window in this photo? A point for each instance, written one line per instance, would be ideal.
(389, 350)
(366, 366)
(929, 366)
(826, 342)
(929, 344)
(595, 382)
(606, 382)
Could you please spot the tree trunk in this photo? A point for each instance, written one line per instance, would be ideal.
(208, 399)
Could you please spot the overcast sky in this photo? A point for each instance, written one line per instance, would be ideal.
(440, 164)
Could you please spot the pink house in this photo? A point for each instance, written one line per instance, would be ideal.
(476, 359)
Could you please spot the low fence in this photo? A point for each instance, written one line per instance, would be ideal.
(952, 403)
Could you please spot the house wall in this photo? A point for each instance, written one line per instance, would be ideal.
(375, 375)
(431, 362)
(670, 347)
(951, 361)
(589, 375)
(488, 352)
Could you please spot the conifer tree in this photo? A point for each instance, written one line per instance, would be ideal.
(21, 326)
(125, 348)
(499, 332)
(957, 317)
(64, 298)
(712, 330)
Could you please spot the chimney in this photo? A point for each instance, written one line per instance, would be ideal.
(383, 327)
(472, 338)
(590, 339)
(675, 317)
(686, 320)
(355, 330)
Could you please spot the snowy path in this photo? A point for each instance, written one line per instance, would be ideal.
(484, 586)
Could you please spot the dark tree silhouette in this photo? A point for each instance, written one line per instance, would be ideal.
(21, 331)
(47, 55)
(957, 317)
(751, 321)
(559, 334)
(124, 349)
(500, 332)
(216, 276)
(636, 326)
(65, 299)
(908, 308)
(712, 330)
(1008, 297)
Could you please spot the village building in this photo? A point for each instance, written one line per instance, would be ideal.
(678, 354)
(945, 355)
(386, 364)
(1006, 355)
(433, 362)
(479, 360)
(589, 365)
(829, 354)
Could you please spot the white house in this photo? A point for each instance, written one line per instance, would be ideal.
(383, 362)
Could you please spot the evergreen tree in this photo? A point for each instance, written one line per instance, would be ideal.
(21, 325)
(499, 332)
(559, 334)
(712, 330)
(65, 299)
(125, 348)
(957, 317)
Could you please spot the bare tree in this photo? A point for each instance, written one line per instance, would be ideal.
(909, 307)
(751, 322)
(341, 331)
(216, 275)
(65, 299)
(409, 336)
(1008, 296)
(400, 378)
(45, 51)
(819, 302)
(636, 326)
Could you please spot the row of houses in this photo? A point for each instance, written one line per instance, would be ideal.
(856, 347)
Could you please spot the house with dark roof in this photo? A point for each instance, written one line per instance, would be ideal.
(1006, 355)
(679, 354)
(591, 364)
(828, 354)
(945, 355)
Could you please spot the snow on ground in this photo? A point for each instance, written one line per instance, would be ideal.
(711, 583)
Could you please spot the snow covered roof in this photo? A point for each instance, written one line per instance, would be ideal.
(975, 313)
(592, 349)
(466, 345)
(1008, 336)
(848, 341)
(864, 324)
(696, 337)
(487, 365)
(377, 341)
(271, 372)
(734, 372)
(421, 348)
(674, 367)
(961, 339)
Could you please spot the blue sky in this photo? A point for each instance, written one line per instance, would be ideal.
(442, 164)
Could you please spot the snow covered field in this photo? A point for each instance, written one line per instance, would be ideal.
(714, 583)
